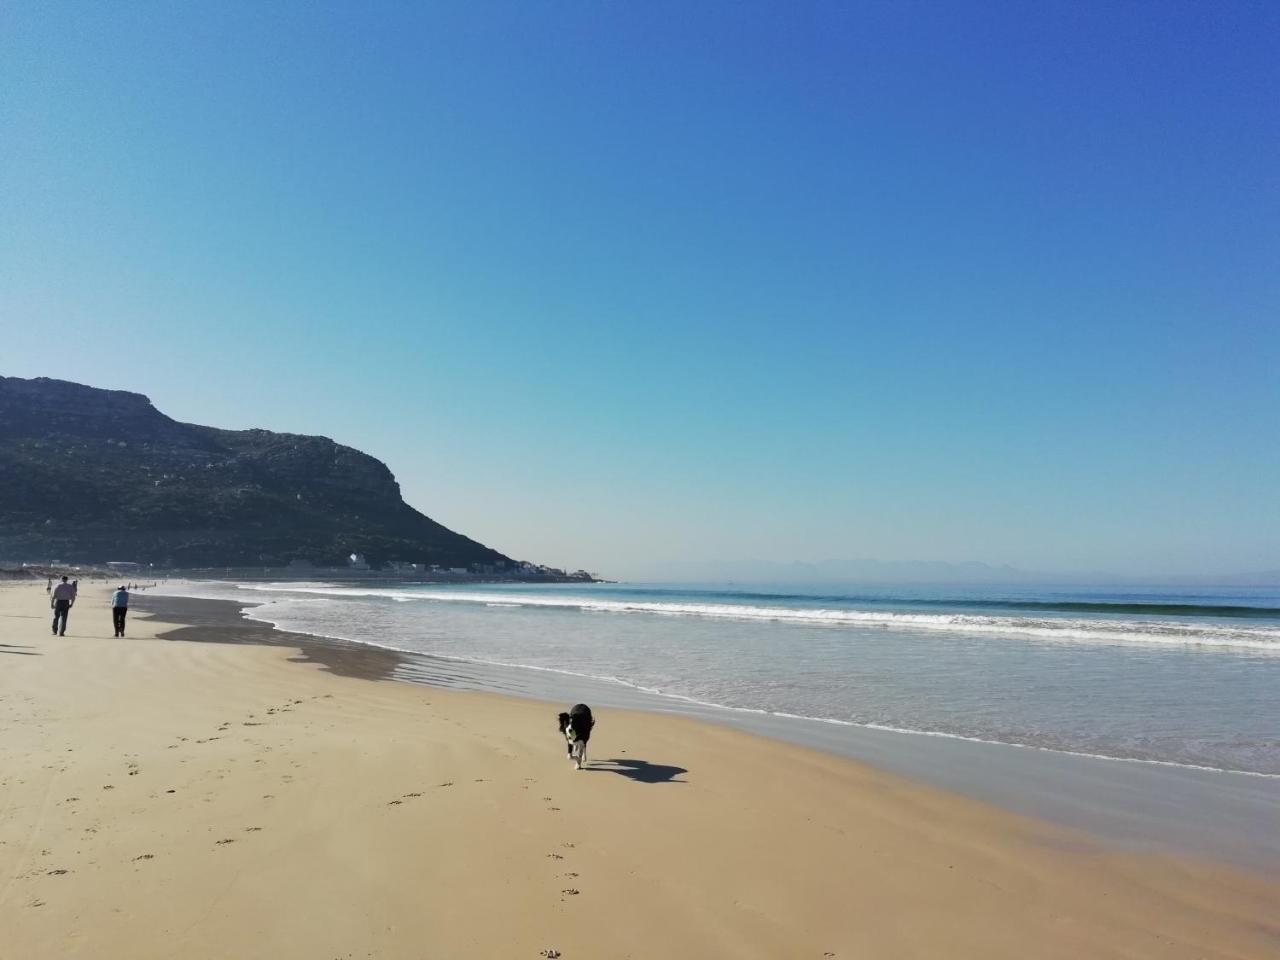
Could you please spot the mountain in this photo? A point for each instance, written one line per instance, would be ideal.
(89, 475)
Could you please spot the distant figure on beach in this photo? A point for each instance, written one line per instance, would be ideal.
(64, 595)
(48, 587)
(119, 607)
(75, 588)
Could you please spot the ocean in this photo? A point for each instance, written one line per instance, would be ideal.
(1187, 678)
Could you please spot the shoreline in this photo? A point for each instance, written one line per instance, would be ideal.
(213, 799)
(1221, 815)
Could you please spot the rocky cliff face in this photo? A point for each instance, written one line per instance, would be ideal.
(91, 475)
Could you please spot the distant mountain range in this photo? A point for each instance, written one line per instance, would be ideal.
(89, 475)
(868, 571)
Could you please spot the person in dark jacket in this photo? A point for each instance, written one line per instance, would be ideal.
(119, 607)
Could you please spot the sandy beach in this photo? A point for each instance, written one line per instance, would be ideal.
(208, 800)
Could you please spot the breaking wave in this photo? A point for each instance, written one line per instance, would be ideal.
(1171, 629)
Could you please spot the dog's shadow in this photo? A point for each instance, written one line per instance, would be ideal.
(641, 771)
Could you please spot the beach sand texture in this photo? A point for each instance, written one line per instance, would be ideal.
(205, 800)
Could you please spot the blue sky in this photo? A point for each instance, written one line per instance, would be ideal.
(614, 284)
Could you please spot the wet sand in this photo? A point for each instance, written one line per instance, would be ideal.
(257, 799)
(1146, 807)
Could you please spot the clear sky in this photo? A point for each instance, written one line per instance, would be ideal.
(609, 284)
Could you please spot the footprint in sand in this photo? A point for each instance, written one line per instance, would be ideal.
(408, 795)
(570, 891)
(549, 953)
(392, 803)
(447, 783)
(555, 856)
(227, 840)
(570, 876)
(252, 829)
(108, 787)
(58, 873)
(569, 845)
(554, 809)
(144, 856)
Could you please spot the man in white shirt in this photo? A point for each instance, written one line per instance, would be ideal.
(64, 595)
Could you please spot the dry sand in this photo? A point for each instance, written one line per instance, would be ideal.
(172, 799)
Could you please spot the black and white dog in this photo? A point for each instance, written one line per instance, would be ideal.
(576, 727)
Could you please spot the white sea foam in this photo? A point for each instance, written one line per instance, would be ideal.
(1061, 629)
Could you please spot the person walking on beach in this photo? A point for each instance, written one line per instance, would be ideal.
(48, 587)
(64, 595)
(119, 607)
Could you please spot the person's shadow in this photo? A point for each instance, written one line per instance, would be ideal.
(642, 771)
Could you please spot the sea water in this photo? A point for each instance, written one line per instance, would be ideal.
(1180, 677)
